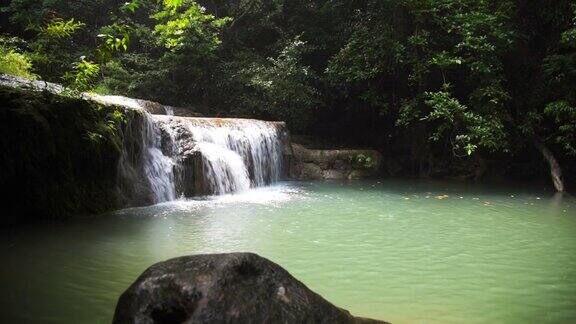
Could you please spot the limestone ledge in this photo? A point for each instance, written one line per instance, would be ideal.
(311, 164)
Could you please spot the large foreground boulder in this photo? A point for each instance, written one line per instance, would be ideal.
(224, 288)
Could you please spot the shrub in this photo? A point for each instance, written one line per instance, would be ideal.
(13, 62)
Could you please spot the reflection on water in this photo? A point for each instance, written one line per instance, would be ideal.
(402, 251)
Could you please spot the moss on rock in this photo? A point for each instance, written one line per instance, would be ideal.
(59, 155)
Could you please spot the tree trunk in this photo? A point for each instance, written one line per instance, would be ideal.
(555, 170)
(481, 169)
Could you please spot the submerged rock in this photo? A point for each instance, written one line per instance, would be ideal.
(224, 288)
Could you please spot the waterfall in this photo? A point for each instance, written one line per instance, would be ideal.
(157, 166)
(232, 154)
(146, 173)
(166, 156)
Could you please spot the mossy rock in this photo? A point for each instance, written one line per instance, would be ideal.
(59, 155)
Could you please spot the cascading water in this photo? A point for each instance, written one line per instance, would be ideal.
(165, 156)
(146, 174)
(157, 166)
(224, 169)
(234, 154)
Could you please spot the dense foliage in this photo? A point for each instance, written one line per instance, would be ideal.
(446, 86)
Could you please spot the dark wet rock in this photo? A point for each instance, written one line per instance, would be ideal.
(59, 156)
(307, 171)
(187, 173)
(309, 164)
(224, 288)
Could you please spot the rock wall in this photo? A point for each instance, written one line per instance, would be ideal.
(59, 155)
(224, 288)
(68, 155)
(309, 164)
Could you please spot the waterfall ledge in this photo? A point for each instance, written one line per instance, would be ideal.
(67, 156)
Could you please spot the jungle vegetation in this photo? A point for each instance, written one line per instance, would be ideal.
(447, 87)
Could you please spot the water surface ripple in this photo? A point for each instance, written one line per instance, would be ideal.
(406, 252)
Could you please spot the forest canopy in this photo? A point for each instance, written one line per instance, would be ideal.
(441, 84)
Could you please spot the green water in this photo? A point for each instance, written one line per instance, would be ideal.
(406, 252)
